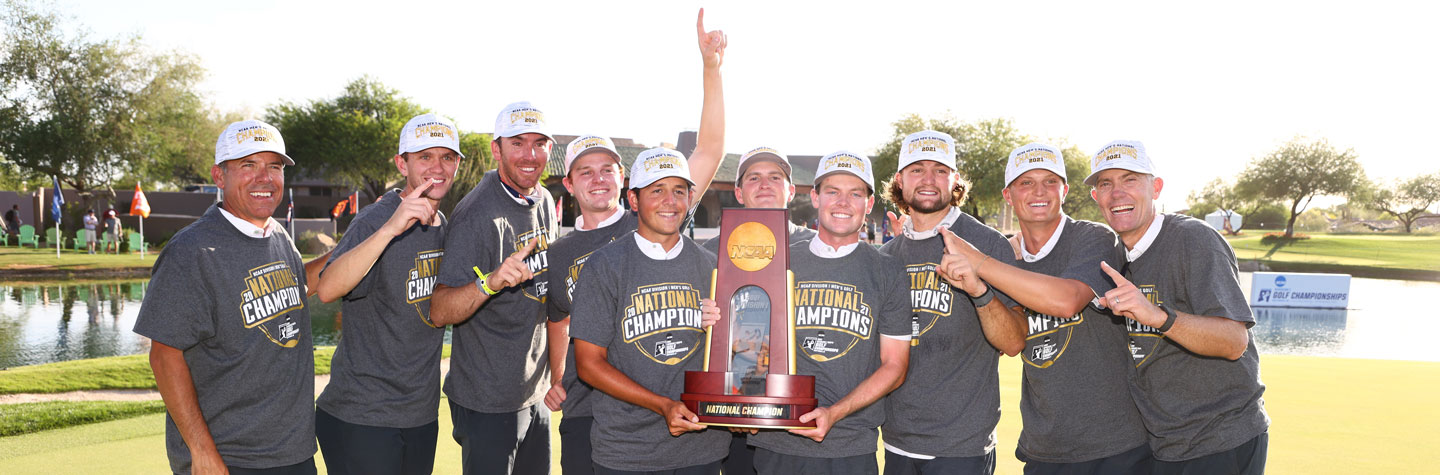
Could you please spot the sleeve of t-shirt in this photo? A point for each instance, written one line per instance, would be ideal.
(177, 310)
(1092, 247)
(557, 302)
(895, 308)
(1214, 279)
(468, 244)
(596, 303)
(360, 229)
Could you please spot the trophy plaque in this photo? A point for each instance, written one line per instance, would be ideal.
(749, 375)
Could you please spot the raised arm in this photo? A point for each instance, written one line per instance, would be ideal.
(452, 305)
(710, 141)
(346, 271)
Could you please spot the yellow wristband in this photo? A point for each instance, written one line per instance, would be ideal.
(483, 281)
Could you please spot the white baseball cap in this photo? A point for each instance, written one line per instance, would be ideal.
(428, 131)
(766, 154)
(1032, 156)
(846, 162)
(657, 163)
(521, 118)
(586, 144)
(1122, 154)
(930, 145)
(248, 137)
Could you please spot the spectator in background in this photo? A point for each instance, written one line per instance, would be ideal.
(112, 231)
(12, 220)
(90, 223)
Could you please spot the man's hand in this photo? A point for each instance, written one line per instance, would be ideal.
(680, 419)
(824, 420)
(712, 43)
(555, 396)
(897, 223)
(207, 464)
(1127, 301)
(955, 267)
(513, 270)
(414, 207)
(709, 313)
(1016, 242)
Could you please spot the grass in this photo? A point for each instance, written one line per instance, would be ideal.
(1386, 251)
(115, 372)
(26, 258)
(16, 419)
(1330, 416)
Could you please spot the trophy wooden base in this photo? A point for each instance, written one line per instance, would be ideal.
(786, 399)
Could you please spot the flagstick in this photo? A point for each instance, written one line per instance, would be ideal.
(57, 239)
(142, 237)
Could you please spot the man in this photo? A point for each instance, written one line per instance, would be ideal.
(112, 231)
(90, 222)
(12, 220)
(593, 176)
(1197, 374)
(638, 327)
(226, 311)
(943, 419)
(379, 412)
(498, 374)
(763, 180)
(1076, 417)
(852, 329)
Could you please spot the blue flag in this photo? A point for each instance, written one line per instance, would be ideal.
(56, 201)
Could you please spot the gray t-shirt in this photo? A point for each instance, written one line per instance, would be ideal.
(1193, 405)
(386, 371)
(646, 314)
(797, 234)
(842, 307)
(950, 402)
(497, 359)
(570, 254)
(1074, 397)
(235, 306)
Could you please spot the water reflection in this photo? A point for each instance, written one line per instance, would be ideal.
(1301, 331)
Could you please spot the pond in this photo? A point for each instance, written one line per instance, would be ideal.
(43, 323)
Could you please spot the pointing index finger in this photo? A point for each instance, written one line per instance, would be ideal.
(1120, 280)
(420, 190)
(525, 251)
(700, 23)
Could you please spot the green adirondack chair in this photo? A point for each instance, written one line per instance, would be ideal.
(52, 236)
(27, 235)
(80, 239)
(137, 242)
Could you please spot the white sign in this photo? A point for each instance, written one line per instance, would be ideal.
(1293, 289)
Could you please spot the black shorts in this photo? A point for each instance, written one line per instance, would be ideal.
(575, 445)
(1248, 458)
(508, 442)
(1136, 461)
(712, 468)
(768, 462)
(356, 448)
(896, 464)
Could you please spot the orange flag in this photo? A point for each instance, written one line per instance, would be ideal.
(339, 208)
(139, 205)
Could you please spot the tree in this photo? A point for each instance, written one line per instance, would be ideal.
(350, 138)
(1078, 203)
(1408, 200)
(983, 148)
(478, 160)
(1223, 196)
(89, 111)
(1299, 171)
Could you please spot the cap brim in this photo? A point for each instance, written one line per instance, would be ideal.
(856, 175)
(414, 149)
(767, 156)
(1094, 176)
(288, 161)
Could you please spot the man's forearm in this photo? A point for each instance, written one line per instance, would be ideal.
(890, 375)
(557, 336)
(710, 140)
(1004, 328)
(1210, 336)
(1041, 293)
(177, 389)
(453, 305)
(347, 270)
(593, 368)
(312, 273)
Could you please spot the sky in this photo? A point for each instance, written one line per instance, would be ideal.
(1207, 86)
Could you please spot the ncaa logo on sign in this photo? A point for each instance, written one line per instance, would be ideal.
(1279, 281)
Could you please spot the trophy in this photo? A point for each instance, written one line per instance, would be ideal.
(749, 376)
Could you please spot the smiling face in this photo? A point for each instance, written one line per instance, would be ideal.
(842, 201)
(435, 164)
(1036, 196)
(764, 185)
(1127, 201)
(594, 181)
(661, 207)
(522, 159)
(251, 185)
(926, 186)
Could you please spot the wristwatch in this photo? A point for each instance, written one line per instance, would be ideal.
(1170, 317)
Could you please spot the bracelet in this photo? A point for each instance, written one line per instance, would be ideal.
(482, 282)
(1170, 317)
(985, 298)
(982, 263)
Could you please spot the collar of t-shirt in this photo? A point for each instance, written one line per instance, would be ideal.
(655, 251)
(614, 218)
(1146, 240)
(824, 250)
(521, 198)
(1049, 245)
(249, 229)
(949, 220)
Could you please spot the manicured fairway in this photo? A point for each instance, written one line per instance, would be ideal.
(1329, 415)
(1393, 251)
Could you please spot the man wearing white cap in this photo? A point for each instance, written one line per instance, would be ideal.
(638, 323)
(230, 332)
(943, 419)
(1197, 374)
(379, 412)
(1075, 358)
(852, 328)
(763, 180)
(491, 286)
(593, 176)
